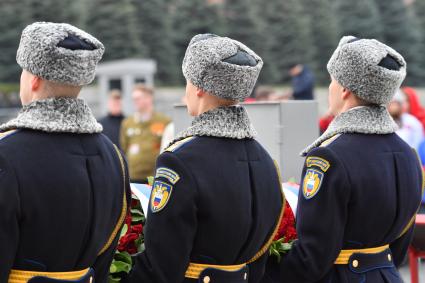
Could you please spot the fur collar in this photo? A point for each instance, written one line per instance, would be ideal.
(224, 122)
(362, 120)
(61, 115)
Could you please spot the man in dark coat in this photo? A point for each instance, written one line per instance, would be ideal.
(216, 199)
(302, 82)
(361, 185)
(111, 123)
(63, 185)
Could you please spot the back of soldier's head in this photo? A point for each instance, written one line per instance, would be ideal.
(221, 66)
(63, 56)
(370, 69)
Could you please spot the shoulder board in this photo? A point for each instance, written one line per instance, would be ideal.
(178, 144)
(329, 141)
(4, 135)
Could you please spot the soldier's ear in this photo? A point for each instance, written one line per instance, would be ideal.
(35, 83)
(200, 92)
(346, 93)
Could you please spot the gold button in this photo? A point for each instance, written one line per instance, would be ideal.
(389, 257)
(355, 263)
(207, 279)
(245, 276)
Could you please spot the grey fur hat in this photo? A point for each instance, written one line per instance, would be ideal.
(43, 53)
(357, 64)
(221, 66)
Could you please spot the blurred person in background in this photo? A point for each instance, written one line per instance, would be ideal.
(141, 134)
(302, 82)
(263, 93)
(112, 121)
(410, 129)
(325, 121)
(413, 105)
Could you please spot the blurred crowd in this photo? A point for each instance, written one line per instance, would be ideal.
(140, 136)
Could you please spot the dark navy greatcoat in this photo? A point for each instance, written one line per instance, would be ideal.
(370, 188)
(224, 203)
(61, 195)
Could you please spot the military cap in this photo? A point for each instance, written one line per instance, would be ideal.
(370, 69)
(59, 52)
(221, 66)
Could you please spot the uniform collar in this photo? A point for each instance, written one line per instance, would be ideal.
(224, 122)
(63, 114)
(363, 120)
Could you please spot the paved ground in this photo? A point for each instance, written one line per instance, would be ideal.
(405, 273)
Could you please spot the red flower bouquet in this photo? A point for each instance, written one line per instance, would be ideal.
(287, 233)
(130, 242)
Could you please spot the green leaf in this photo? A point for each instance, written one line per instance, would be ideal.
(137, 218)
(141, 247)
(279, 248)
(136, 211)
(124, 257)
(124, 230)
(112, 279)
(119, 266)
(150, 180)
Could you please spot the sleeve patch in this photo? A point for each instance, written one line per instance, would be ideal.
(161, 193)
(319, 162)
(312, 182)
(168, 174)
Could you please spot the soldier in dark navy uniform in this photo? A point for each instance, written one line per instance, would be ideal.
(216, 198)
(361, 185)
(63, 184)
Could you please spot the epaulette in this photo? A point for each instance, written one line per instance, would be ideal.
(329, 140)
(179, 144)
(7, 133)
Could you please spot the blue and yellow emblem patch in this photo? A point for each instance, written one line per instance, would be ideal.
(312, 182)
(168, 174)
(160, 196)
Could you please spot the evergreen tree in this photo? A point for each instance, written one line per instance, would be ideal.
(11, 26)
(191, 17)
(244, 20)
(241, 22)
(403, 34)
(290, 42)
(64, 11)
(419, 9)
(115, 24)
(155, 32)
(324, 34)
(359, 18)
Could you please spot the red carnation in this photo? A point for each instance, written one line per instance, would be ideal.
(287, 226)
(127, 243)
(138, 229)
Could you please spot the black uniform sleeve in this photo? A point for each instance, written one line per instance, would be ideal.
(103, 262)
(9, 218)
(170, 232)
(321, 217)
(400, 246)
